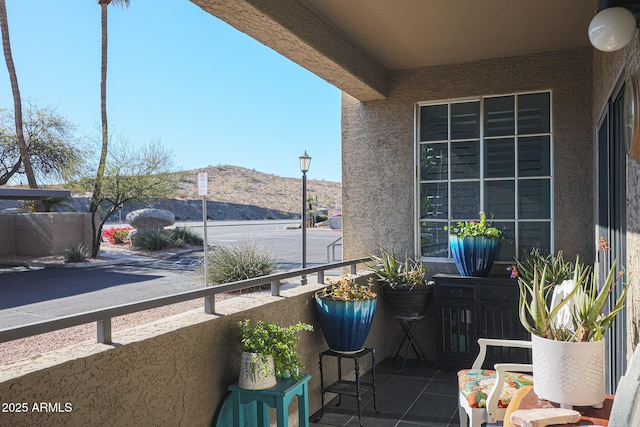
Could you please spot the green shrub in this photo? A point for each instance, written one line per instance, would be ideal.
(186, 235)
(152, 239)
(78, 253)
(244, 260)
(158, 239)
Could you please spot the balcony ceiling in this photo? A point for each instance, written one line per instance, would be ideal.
(355, 44)
(404, 34)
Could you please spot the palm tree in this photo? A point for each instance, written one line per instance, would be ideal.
(17, 102)
(97, 186)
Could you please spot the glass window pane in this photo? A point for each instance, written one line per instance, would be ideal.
(508, 244)
(534, 199)
(499, 199)
(533, 113)
(499, 158)
(465, 200)
(434, 122)
(534, 156)
(534, 235)
(434, 201)
(433, 162)
(499, 116)
(465, 159)
(434, 240)
(465, 120)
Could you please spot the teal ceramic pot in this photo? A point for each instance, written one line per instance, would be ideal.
(474, 256)
(345, 324)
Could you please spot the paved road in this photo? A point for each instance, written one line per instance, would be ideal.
(37, 294)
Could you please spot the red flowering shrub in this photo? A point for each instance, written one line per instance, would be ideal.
(117, 235)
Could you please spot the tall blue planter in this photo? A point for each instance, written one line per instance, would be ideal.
(345, 324)
(474, 256)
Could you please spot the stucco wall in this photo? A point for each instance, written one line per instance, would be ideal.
(608, 68)
(171, 372)
(378, 147)
(7, 234)
(43, 233)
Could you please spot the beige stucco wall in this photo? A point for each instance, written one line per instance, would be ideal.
(608, 69)
(378, 147)
(7, 234)
(43, 233)
(171, 372)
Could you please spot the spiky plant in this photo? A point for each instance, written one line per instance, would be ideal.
(589, 322)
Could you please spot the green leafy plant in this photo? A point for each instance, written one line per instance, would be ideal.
(78, 253)
(589, 322)
(558, 270)
(475, 228)
(266, 338)
(347, 289)
(245, 260)
(395, 273)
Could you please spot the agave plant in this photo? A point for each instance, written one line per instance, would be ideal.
(393, 273)
(587, 299)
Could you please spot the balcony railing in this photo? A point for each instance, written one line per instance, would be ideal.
(103, 316)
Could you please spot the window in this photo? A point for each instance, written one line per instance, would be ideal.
(491, 154)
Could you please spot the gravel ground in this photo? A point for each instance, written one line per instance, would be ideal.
(34, 346)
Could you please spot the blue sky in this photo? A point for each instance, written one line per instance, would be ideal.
(210, 94)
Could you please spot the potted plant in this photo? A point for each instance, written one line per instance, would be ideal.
(566, 316)
(268, 351)
(474, 246)
(404, 283)
(346, 312)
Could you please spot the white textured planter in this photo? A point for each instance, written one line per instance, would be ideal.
(253, 375)
(569, 373)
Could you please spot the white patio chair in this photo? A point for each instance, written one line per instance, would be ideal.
(492, 383)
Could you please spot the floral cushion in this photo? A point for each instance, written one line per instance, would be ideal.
(475, 385)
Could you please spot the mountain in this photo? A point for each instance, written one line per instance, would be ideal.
(235, 193)
(237, 185)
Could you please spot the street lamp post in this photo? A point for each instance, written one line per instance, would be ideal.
(305, 160)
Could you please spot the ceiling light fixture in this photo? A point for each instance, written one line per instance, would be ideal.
(614, 25)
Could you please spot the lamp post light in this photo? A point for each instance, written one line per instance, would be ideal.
(305, 160)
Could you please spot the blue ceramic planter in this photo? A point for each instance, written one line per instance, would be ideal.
(345, 324)
(474, 256)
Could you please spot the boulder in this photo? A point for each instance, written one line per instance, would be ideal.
(150, 218)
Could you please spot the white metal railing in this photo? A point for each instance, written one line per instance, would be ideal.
(103, 316)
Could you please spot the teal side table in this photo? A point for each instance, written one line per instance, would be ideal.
(278, 397)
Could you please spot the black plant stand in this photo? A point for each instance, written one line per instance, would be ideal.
(350, 388)
(409, 326)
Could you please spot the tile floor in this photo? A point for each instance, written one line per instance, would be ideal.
(419, 394)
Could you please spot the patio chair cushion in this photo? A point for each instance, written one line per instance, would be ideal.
(475, 385)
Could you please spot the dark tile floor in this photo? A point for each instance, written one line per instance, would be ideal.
(417, 394)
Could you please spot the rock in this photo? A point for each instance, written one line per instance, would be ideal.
(150, 218)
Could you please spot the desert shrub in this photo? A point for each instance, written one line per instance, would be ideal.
(158, 239)
(186, 235)
(153, 239)
(78, 253)
(244, 260)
